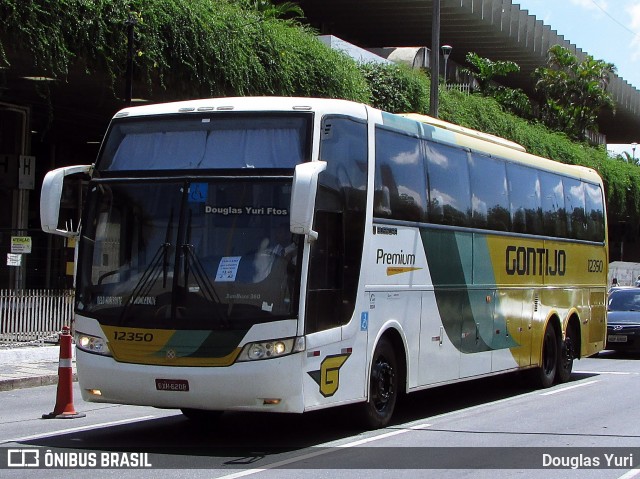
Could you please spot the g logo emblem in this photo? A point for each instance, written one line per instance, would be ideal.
(328, 377)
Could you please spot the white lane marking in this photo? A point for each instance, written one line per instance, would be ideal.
(292, 460)
(556, 391)
(76, 429)
(383, 436)
(618, 373)
(321, 452)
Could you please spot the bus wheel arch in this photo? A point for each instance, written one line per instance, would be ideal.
(387, 380)
(569, 350)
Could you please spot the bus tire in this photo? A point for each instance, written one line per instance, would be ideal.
(546, 373)
(201, 415)
(383, 387)
(566, 356)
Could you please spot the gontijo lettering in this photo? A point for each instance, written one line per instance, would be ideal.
(528, 261)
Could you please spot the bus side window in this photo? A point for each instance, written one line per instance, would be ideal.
(554, 215)
(575, 204)
(595, 212)
(401, 190)
(489, 199)
(449, 189)
(524, 199)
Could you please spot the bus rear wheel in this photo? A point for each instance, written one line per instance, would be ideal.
(383, 387)
(566, 356)
(546, 373)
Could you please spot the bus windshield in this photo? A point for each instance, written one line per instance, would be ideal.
(208, 141)
(212, 253)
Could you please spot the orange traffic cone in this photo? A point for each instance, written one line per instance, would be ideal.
(64, 398)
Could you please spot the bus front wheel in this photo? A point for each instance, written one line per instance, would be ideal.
(383, 386)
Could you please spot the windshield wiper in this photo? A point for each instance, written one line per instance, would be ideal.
(165, 256)
(148, 278)
(158, 264)
(192, 262)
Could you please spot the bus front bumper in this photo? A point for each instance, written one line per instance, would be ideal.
(269, 385)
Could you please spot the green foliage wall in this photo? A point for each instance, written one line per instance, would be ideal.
(193, 48)
(622, 180)
(196, 48)
(397, 89)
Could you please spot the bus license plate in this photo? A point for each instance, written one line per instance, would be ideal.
(617, 338)
(180, 385)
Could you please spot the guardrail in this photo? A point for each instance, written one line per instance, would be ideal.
(34, 315)
(461, 87)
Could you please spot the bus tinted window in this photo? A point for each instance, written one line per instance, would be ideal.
(489, 199)
(400, 177)
(595, 212)
(524, 199)
(449, 190)
(472, 189)
(552, 200)
(575, 205)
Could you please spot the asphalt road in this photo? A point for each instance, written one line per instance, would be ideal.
(496, 427)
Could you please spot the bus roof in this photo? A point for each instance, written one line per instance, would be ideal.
(448, 132)
(273, 104)
(464, 131)
(500, 147)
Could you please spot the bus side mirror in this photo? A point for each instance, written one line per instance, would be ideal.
(303, 197)
(51, 197)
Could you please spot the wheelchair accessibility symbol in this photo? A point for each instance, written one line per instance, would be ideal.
(198, 192)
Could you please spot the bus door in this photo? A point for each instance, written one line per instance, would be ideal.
(335, 361)
(334, 373)
(439, 356)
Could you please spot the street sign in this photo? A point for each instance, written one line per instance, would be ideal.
(21, 244)
(27, 172)
(14, 259)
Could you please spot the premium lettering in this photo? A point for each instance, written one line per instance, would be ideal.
(400, 258)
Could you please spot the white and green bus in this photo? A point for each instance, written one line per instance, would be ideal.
(294, 254)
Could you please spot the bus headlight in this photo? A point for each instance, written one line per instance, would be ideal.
(92, 344)
(271, 349)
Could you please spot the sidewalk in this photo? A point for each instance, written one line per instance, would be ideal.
(29, 366)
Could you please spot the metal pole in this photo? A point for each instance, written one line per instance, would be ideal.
(128, 92)
(435, 59)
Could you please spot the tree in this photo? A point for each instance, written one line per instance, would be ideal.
(268, 9)
(573, 91)
(485, 70)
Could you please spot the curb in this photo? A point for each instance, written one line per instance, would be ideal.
(30, 356)
(31, 382)
(19, 383)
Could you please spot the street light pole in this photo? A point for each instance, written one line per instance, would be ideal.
(128, 91)
(633, 151)
(434, 59)
(446, 51)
